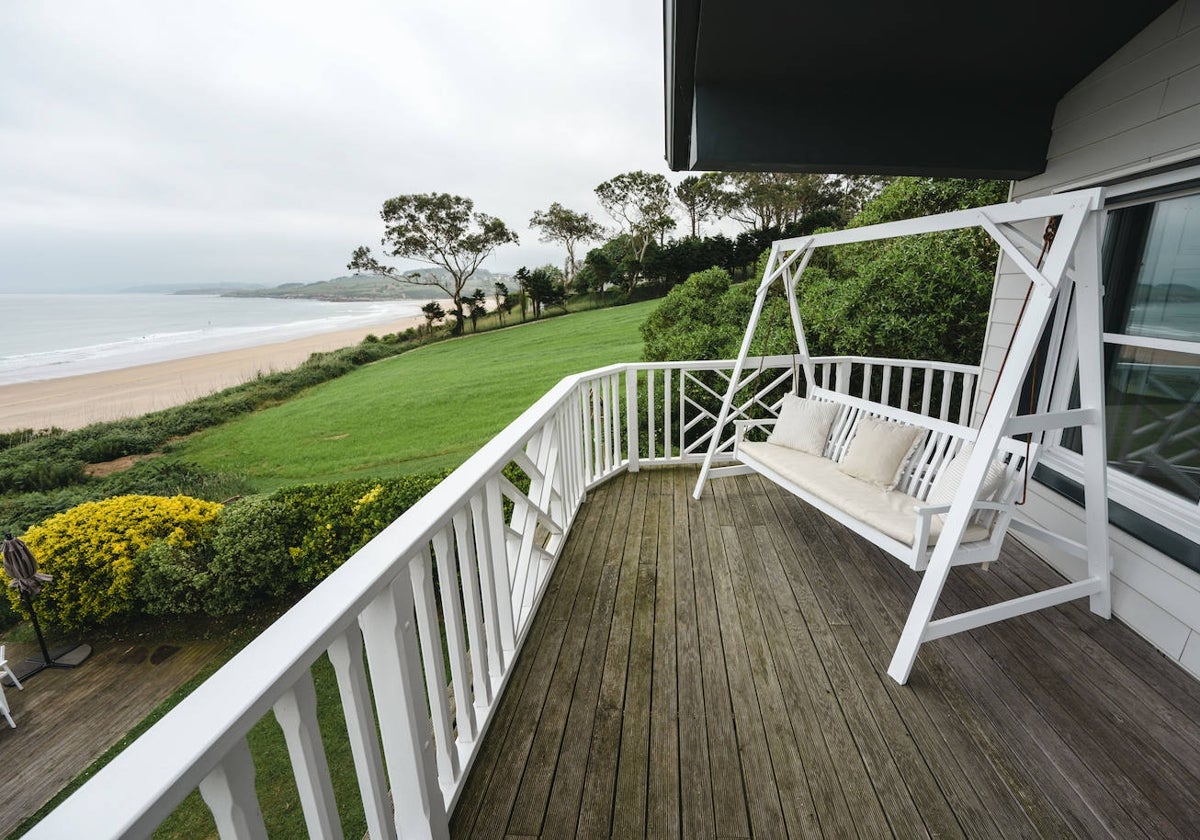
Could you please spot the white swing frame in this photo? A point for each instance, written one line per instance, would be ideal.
(1069, 276)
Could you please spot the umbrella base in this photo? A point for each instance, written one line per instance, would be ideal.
(67, 657)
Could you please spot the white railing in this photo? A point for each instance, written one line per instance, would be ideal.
(465, 567)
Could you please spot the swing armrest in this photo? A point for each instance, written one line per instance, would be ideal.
(740, 426)
(933, 510)
(925, 514)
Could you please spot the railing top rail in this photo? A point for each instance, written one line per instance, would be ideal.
(786, 360)
(913, 363)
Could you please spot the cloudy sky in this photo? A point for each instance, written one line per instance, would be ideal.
(144, 141)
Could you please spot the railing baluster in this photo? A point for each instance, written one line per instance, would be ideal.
(906, 387)
(927, 390)
(668, 410)
(886, 396)
(967, 397)
(346, 654)
(585, 431)
(615, 390)
(468, 570)
(598, 427)
(404, 725)
(868, 369)
(430, 636)
(296, 712)
(947, 393)
(500, 568)
(456, 645)
(487, 587)
(229, 793)
(570, 444)
(651, 445)
(631, 420)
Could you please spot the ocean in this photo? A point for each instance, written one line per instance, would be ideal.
(51, 336)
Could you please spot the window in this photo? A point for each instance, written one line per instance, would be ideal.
(1152, 359)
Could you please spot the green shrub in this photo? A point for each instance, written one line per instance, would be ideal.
(157, 477)
(250, 561)
(8, 618)
(18, 437)
(91, 551)
(19, 512)
(326, 523)
(115, 443)
(37, 474)
(172, 579)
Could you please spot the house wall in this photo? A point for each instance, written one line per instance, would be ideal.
(1138, 111)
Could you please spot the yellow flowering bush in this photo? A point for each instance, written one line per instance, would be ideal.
(326, 523)
(92, 550)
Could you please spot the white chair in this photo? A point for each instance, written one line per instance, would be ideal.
(4, 669)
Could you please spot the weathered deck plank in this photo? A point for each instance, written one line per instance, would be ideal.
(68, 718)
(718, 668)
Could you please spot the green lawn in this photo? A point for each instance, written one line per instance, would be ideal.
(428, 409)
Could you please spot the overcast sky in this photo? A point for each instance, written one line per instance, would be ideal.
(144, 141)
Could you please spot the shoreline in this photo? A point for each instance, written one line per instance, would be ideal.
(71, 402)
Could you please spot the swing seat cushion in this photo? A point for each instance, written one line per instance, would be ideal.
(804, 424)
(888, 511)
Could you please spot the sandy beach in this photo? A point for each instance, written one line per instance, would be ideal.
(75, 401)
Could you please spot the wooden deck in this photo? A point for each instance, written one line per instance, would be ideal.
(66, 719)
(717, 669)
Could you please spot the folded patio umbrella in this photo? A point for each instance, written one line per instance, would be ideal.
(21, 567)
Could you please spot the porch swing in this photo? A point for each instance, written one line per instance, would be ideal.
(929, 491)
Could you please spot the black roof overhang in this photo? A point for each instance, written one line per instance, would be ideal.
(880, 86)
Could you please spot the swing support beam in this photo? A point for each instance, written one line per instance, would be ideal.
(1071, 263)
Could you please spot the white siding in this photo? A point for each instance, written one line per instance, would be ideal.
(1138, 110)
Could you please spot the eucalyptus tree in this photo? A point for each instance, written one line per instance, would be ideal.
(776, 199)
(703, 197)
(439, 229)
(561, 224)
(640, 203)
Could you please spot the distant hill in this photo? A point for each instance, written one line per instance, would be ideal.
(370, 287)
(189, 289)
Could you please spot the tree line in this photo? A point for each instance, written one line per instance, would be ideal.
(446, 231)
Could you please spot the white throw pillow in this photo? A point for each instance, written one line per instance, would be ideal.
(804, 424)
(945, 488)
(879, 450)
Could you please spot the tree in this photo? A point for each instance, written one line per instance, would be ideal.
(439, 229)
(702, 197)
(776, 199)
(915, 297)
(522, 277)
(598, 271)
(476, 308)
(500, 295)
(640, 203)
(546, 288)
(559, 224)
(433, 312)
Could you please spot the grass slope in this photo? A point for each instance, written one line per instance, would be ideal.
(427, 409)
